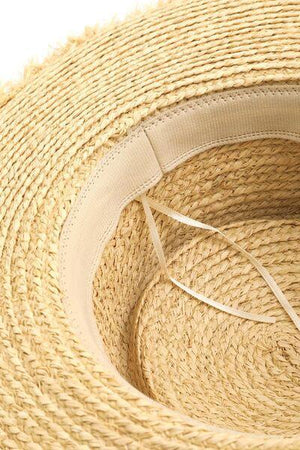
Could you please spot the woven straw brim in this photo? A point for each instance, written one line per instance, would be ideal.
(54, 127)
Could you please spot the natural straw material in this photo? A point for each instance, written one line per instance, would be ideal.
(187, 355)
(149, 204)
(54, 127)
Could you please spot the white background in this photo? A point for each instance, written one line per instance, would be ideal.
(30, 29)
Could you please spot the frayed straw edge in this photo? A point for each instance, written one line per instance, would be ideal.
(8, 90)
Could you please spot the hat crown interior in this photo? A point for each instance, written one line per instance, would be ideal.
(139, 163)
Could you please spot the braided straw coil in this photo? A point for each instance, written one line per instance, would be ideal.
(206, 364)
(202, 378)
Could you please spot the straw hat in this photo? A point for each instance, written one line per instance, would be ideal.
(124, 323)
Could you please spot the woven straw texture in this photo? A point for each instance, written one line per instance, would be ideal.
(54, 127)
(206, 364)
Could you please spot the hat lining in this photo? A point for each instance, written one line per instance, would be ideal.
(139, 162)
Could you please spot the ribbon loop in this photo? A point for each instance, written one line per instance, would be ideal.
(150, 203)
